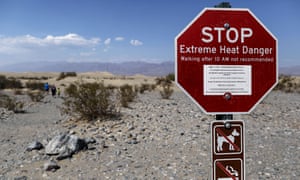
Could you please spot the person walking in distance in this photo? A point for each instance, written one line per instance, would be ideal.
(58, 92)
(46, 87)
(53, 90)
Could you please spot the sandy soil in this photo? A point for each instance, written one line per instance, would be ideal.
(153, 139)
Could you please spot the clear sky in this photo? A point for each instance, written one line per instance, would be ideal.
(123, 30)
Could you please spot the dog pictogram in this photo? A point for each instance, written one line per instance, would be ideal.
(227, 139)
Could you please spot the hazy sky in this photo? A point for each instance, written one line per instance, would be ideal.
(123, 30)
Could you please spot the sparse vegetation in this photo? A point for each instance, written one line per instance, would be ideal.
(171, 76)
(166, 84)
(35, 85)
(90, 101)
(18, 92)
(146, 87)
(127, 94)
(9, 83)
(11, 104)
(36, 96)
(34, 78)
(287, 84)
(63, 75)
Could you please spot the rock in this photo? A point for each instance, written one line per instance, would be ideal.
(90, 140)
(21, 178)
(65, 145)
(65, 153)
(103, 144)
(5, 114)
(51, 166)
(34, 146)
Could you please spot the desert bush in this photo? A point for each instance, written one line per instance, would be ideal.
(14, 83)
(18, 92)
(11, 104)
(34, 78)
(111, 87)
(35, 85)
(89, 101)
(144, 87)
(2, 81)
(166, 84)
(9, 83)
(63, 75)
(127, 94)
(167, 92)
(36, 96)
(287, 84)
(171, 76)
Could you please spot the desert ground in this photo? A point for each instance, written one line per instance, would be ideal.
(154, 138)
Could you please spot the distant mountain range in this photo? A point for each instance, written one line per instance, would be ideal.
(292, 70)
(124, 68)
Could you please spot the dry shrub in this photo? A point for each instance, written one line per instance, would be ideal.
(9, 83)
(167, 92)
(146, 87)
(11, 104)
(18, 92)
(166, 84)
(127, 94)
(36, 96)
(34, 78)
(63, 75)
(90, 101)
(35, 85)
(287, 84)
(170, 76)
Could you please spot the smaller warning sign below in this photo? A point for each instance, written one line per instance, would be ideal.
(221, 79)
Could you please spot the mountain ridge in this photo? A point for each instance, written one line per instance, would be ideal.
(122, 68)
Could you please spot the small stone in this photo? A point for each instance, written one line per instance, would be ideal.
(118, 152)
(267, 174)
(21, 178)
(35, 146)
(103, 144)
(259, 162)
(51, 166)
(90, 140)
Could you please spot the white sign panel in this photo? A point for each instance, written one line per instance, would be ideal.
(221, 79)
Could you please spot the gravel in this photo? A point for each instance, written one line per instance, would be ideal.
(153, 139)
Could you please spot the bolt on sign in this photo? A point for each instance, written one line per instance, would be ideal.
(226, 60)
(228, 150)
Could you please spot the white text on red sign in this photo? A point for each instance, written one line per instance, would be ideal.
(232, 34)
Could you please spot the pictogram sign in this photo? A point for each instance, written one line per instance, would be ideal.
(228, 150)
(228, 169)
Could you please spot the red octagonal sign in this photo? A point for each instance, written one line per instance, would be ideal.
(226, 60)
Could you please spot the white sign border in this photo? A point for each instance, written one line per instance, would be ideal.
(176, 60)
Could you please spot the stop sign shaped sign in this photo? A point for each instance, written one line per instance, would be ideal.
(226, 60)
